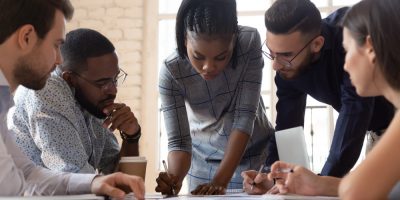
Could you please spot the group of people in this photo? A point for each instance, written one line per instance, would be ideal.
(58, 137)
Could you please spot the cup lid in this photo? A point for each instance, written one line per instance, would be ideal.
(133, 159)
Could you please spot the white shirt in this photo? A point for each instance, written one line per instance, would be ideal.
(19, 175)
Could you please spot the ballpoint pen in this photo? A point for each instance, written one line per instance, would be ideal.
(166, 170)
(267, 169)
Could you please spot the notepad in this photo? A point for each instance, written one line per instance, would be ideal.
(292, 146)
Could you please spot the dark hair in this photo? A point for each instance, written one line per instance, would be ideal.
(379, 20)
(210, 17)
(39, 13)
(288, 16)
(81, 44)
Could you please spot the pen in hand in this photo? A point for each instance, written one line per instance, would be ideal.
(166, 170)
(259, 172)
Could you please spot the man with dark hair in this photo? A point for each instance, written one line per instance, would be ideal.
(27, 56)
(308, 57)
(64, 126)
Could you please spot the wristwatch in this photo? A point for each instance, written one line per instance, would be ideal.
(131, 138)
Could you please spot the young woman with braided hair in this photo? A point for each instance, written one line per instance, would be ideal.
(210, 93)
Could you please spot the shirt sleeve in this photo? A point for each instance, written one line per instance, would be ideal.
(174, 110)
(249, 87)
(351, 126)
(21, 176)
(290, 108)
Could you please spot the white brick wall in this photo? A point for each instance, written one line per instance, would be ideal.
(121, 21)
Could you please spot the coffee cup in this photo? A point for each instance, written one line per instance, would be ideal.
(133, 165)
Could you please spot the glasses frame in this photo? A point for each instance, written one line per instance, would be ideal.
(283, 61)
(110, 83)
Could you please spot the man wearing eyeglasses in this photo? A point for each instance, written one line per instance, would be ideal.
(68, 125)
(308, 58)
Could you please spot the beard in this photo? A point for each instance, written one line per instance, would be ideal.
(26, 75)
(95, 110)
(304, 66)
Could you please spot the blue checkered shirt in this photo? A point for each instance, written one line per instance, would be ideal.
(201, 114)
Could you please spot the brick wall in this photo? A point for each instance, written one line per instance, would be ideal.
(122, 22)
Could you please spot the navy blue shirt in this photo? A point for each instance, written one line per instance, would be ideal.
(326, 81)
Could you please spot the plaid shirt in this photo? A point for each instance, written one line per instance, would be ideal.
(201, 114)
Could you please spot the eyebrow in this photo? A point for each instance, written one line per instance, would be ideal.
(106, 79)
(280, 53)
(224, 52)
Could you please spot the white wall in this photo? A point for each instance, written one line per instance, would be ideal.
(123, 22)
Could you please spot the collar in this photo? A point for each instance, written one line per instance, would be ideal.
(3, 80)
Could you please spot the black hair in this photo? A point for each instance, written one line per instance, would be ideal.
(81, 44)
(210, 17)
(39, 13)
(379, 20)
(288, 16)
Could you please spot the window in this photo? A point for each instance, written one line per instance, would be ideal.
(319, 118)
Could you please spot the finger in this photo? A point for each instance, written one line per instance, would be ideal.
(250, 174)
(124, 123)
(198, 189)
(273, 190)
(137, 186)
(210, 190)
(121, 115)
(117, 112)
(163, 187)
(166, 178)
(112, 191)
(113, 107)
(220, 190)
(194, 192)
(260, 178)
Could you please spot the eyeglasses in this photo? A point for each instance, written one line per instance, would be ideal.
(283, 61)
(106, 84)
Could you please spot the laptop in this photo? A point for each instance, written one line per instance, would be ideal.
(292, 146)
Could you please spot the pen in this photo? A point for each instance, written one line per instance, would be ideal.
(166, 170)
(285, 170)
(259, 172)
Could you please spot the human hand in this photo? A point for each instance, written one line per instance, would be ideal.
(109, 185)
(120, 117)
(298, 180)
(209, 189)
(255, 183)
(168, 184)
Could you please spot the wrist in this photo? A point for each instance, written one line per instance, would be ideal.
(219, 183)
(131, 138)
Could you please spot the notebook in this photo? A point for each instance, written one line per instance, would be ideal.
(292, 146)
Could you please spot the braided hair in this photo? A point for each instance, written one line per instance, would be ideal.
(209, 17)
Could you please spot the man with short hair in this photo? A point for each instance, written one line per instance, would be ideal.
(308, 57)
(65, 125)
(31, 32)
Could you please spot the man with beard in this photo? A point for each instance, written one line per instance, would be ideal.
(308, 58)
(31, 32)
(67, 126)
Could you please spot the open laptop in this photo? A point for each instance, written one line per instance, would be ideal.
(292, 146)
